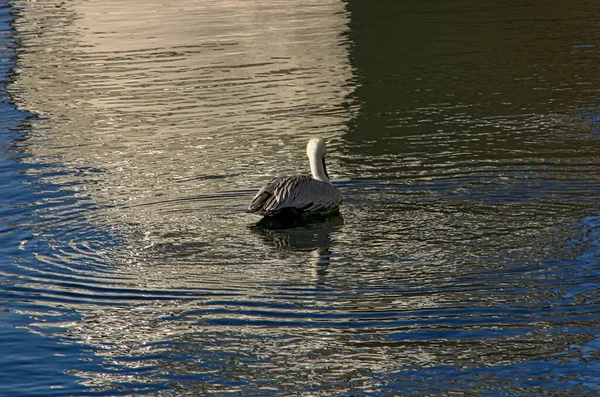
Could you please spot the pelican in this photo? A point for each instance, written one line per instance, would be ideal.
(300, 194)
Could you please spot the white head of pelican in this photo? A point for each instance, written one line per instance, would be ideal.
(316, 150)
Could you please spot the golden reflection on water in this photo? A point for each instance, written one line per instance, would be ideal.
(169, 117)
(167, 100)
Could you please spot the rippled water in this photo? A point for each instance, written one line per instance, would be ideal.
(464, 137)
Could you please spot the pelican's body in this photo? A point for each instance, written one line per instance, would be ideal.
(300, 194)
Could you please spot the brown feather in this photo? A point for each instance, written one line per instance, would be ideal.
(300, 193)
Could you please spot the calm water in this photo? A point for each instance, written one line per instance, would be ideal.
(465, 138)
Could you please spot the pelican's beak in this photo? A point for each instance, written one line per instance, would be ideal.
(325, 168)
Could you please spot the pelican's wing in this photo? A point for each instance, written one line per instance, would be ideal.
(299, 192)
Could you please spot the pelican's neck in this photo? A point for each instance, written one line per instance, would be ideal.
(317, 168)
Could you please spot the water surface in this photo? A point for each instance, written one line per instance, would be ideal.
(463, 136)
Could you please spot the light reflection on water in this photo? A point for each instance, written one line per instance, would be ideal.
(465, 252)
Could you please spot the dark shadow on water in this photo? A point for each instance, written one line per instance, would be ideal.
(292, 219)
(289, 222)
(302, 236)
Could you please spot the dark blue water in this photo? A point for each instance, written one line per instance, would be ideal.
(34, 360)
(32, 363)
(463, 136)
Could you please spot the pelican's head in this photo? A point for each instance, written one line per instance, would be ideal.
(315, 150)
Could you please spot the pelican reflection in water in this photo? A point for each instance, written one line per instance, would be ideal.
(299, 196)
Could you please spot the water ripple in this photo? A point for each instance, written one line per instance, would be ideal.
(467, 246)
